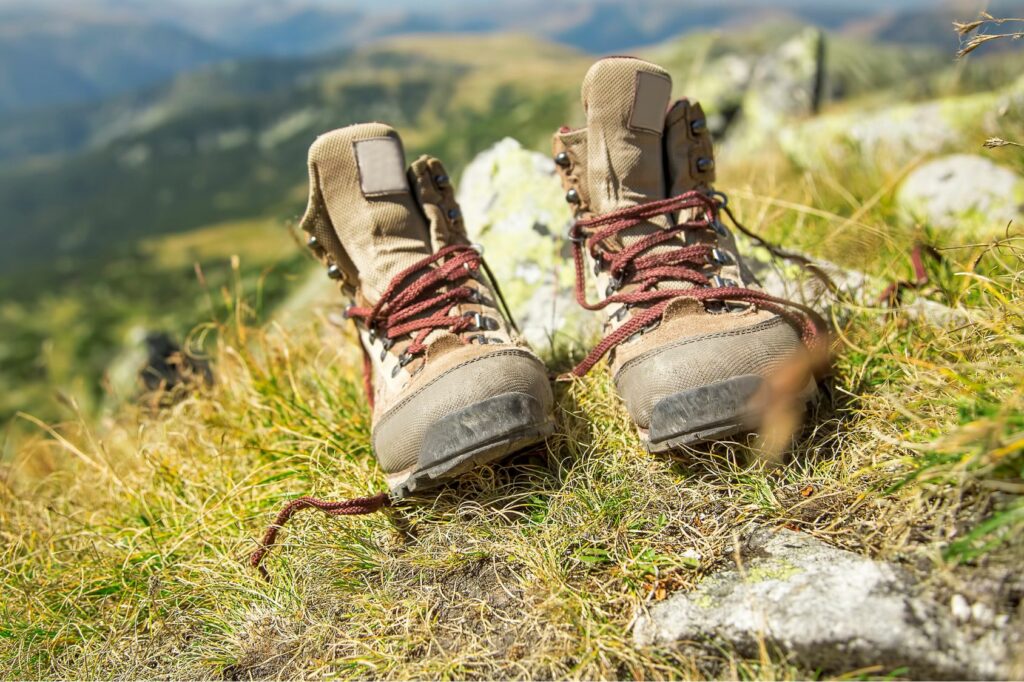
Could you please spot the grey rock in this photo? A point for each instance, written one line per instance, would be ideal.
(794, 282)
(965, 193)
(721, 86)
(823, 608)
(890, 137)
(939, 314)
(515, 208)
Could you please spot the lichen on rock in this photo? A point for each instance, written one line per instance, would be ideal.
(824, 608)
(514, 207)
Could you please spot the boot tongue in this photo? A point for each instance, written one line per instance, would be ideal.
(361, 178)
(625, 100)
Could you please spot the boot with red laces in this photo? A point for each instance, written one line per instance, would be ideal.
(451, 383)
(692, 341)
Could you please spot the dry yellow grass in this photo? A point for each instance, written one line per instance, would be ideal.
(124, 543)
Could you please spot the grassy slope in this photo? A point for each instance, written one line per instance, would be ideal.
(123, 547)
(63, 339)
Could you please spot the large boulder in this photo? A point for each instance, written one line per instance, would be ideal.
(966, 194)
(720, 86)
(825, 609)
(515, 208)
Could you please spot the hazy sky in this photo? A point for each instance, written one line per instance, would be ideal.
(384, 5)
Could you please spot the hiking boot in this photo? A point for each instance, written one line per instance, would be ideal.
(692, 339)
(451, 384)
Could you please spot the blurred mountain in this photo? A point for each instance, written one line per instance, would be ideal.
(931, 24)
(228, 142)
(52, 52)
(57, 62)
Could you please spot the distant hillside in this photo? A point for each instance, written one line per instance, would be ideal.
(53, 53)
(59, 62)
(932, 25)
(229, 142)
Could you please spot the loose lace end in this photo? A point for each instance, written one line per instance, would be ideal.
(353, 507)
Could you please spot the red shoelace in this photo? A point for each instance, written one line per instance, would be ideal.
(395, 314)
(359, 505)
(420, 288)
(631, 266)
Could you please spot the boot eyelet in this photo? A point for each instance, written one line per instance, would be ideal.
(719, 257)
(649, 328)
(403, 360)
(312, 242)
(719, 228)
(574, 235)
(562, 159)
(720, 198)
(334, 272)
(454, 213)
(372, 335)
(705, 164)
(614, 285)
(620, 313)
(698, 126)
(481, 323)
(572, 196)
(719, 282)
(441, 180)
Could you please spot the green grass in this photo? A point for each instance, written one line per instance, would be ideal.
(69, 335)
(124, 543)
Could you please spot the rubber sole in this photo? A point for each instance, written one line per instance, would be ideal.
(473, 436)
(713, 412)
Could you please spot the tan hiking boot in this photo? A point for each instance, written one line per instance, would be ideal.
(452, 384)
(691, 336)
